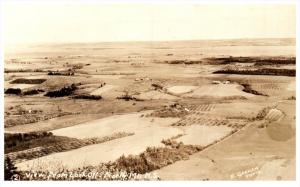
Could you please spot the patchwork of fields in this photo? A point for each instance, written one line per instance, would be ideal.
(154, 107)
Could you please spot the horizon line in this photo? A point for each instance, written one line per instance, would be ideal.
(137, 41)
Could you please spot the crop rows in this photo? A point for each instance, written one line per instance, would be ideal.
(67, 145)
(194, 119)
(205, 107)
(274, 115)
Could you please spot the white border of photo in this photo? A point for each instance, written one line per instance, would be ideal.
(143, 183)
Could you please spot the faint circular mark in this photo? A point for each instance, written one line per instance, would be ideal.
(280, 131)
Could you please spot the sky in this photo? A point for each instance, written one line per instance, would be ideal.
(140, 22)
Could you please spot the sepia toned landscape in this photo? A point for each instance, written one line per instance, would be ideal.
(173, 110)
